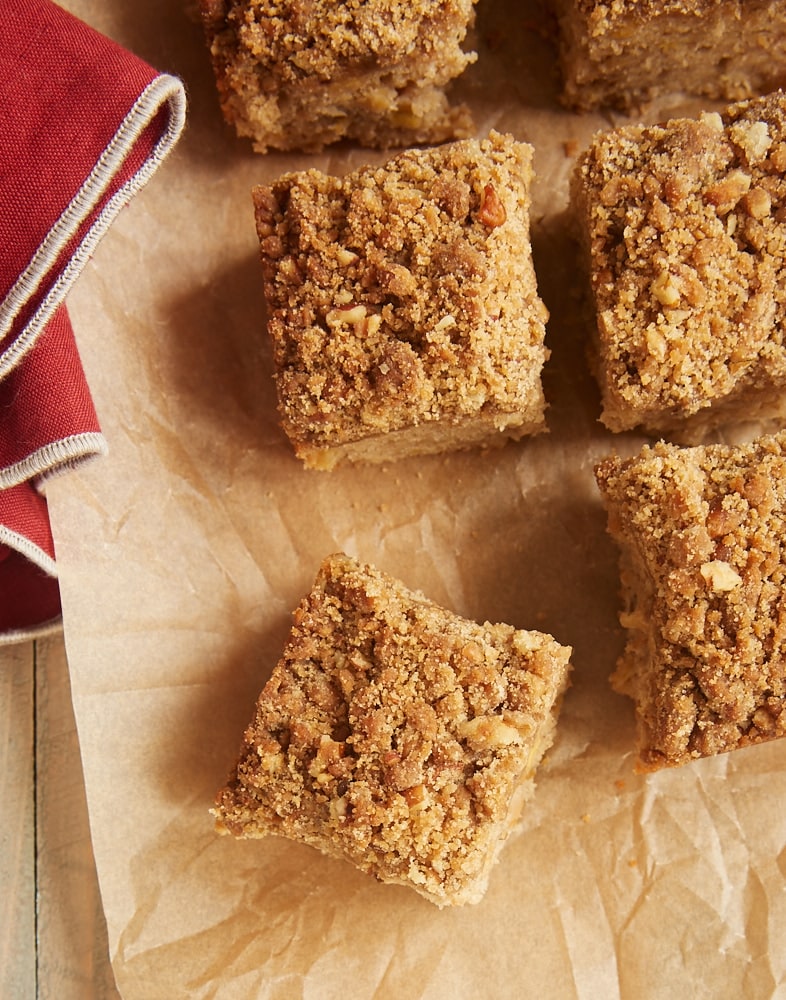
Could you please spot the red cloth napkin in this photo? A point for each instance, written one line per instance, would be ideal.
(84, 125)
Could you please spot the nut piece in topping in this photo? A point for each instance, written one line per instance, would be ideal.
(703, 566)
(396, 735)
(492, 211)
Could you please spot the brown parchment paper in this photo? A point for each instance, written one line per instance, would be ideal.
(183, 552)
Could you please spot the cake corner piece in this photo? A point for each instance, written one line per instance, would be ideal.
(702, 568)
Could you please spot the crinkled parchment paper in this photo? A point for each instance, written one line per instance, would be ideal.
(184, 551)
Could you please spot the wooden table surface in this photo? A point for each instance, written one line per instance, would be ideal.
(53, 941)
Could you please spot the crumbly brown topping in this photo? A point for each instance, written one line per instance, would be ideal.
(702, 534)
(685, 229)
(321, 38)
(298, 75)
(404, 293)
(396, 734)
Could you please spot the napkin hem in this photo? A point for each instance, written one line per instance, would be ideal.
(164, 89)
(13, 637)
(53, 458)
(28, 549)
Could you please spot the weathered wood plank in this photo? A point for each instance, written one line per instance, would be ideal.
(17, 822)
(73, 962)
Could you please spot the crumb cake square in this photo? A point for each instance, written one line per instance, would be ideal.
(684, 232)
(701, 533)
(624, 53)
(402, 303)
(301, 75)
(396, 735)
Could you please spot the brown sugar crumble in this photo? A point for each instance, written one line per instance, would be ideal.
(684, 231)
(701, 532)
(396, 735)
(403, 305)
(624, 53)
(301, 75)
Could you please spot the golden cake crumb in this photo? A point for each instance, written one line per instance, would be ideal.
(298, 75)
(624, 53)
(403, 305)
(684, 231)
(701, 532)
(397, 735)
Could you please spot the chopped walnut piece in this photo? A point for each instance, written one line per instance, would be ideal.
(754, 138)
(492, 212)
(453, 195)
(720, 575)
(757, 203)
(488, 731)
(665, 289)
(725, 194)
(346, 257)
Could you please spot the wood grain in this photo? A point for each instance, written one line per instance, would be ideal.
(72, 944)
(53, 941)
(17, 830)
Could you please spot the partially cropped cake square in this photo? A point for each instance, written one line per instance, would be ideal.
(683, 227)
(403, 305)
(701, 533)
(301, 76)
(624, 53)
(396, 735)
